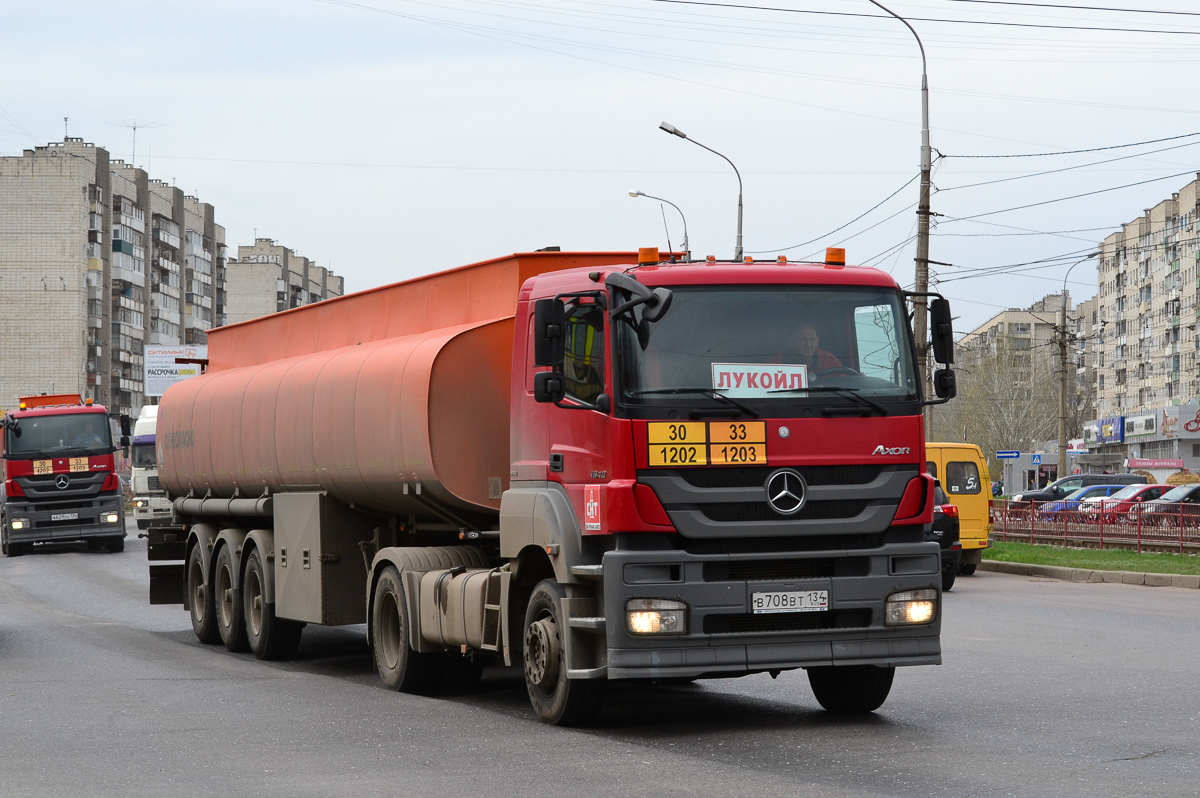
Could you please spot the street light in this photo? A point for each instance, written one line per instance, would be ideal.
(921, 283)
(1062, 367)
(737, 254)
(687, 253)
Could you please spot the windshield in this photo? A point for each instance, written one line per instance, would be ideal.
(58, 435)
(143, 455)
(1126, 493)
(767, 347)
(1179, 493)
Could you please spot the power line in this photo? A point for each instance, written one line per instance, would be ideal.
(907, 183)
(1074, 196)
(1078, 8)
(1076, 152)
(933, 19)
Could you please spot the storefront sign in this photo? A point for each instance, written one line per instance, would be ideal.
(1135, 462)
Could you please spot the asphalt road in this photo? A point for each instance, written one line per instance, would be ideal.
(1048, 689)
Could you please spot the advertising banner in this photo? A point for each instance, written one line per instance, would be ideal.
(161, 369)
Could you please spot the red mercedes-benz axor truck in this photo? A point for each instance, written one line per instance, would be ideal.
(59, 475)
(591, 466)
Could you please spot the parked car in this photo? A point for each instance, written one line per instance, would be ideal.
(1059, 489)
(1074, 501)
(1122, 505)
(1179, 504)
(945, 530)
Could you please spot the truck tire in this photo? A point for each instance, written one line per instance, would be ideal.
(400, 667)
(555, 698)
(269, 637)
(851, 689)
(231, 623)
(967, 570)
(947, 581)
(115, 544)
(200, 600)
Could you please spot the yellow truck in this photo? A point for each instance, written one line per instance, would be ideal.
(963, 472)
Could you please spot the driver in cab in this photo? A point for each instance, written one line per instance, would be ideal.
(804, 348)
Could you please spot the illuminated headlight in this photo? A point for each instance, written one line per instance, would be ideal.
(140, 503)
(656, 617)
(110, 518)
(19, 523)
(911, 607)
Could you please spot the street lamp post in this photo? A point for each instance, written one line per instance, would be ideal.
(1062, 367)
(920, 316)
(687, 253)
(737, 253)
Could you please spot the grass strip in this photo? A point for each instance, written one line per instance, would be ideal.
(1094, 559)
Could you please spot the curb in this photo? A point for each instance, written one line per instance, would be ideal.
(1088, 575)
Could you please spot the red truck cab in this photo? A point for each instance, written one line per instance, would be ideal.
(59, 475)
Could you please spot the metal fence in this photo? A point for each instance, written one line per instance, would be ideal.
(1173, 527)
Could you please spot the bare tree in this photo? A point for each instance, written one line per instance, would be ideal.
(1007, 399)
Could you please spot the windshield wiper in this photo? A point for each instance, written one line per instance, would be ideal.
(713, 392)
(849, 393)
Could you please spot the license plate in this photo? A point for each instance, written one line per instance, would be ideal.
(790, 601)
(64, 516)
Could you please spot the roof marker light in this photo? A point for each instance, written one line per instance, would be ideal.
(835, 256)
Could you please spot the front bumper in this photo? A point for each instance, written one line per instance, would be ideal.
(148, 510)
(723, 636)
(44, 528)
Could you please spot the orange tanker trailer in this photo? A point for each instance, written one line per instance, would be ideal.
(528, 461)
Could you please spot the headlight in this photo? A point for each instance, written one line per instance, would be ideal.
(911, 607)
(1017, 497)
(110, 518)
(19, 523)
(656, 617)
(140, 503)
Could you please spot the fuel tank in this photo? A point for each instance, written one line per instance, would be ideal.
(394, 400)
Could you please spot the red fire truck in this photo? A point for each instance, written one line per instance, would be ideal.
(59, 475)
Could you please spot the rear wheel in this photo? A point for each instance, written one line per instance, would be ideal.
(399, 666)
(851, 689)
(228, 600)
(200, 600)
(555, 698)
(269, 637)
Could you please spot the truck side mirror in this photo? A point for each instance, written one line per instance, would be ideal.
(548, 386)
(549, 323)
(942, 329)
(944, 384)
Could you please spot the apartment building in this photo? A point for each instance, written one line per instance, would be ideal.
(1146, 337)
(1027, 334)
(267, 277)
(96, 261)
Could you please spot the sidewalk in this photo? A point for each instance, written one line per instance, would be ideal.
(1089, 575)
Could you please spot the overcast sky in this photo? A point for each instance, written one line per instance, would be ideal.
(392, 138)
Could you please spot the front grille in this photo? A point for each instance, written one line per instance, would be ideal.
(756, 477)
(153, 484)
(738, 512)
(787, 622)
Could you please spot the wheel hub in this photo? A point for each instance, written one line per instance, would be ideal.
(542, 653)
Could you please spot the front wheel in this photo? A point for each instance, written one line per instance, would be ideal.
(947, 580)
(115, 544)
(851, 689)
(967, 570)
(555, 698)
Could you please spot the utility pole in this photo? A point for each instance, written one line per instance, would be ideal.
(1062, 385)
(921, 283)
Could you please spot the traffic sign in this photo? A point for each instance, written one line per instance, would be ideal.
(1037, 459)
(1007, 455)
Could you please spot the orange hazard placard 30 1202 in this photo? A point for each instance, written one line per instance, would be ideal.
(695, 443)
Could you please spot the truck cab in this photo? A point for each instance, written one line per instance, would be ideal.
(150, 503)
(60, 480)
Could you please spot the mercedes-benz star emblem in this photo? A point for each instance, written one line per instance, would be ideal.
(786, 491)
(62, 481)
